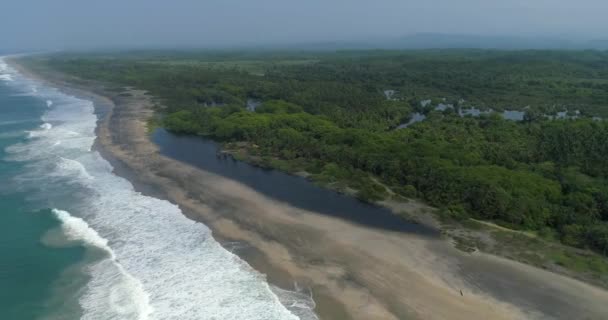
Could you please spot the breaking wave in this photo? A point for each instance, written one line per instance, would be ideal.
(126, 295)
(159, 264)
(5, 71)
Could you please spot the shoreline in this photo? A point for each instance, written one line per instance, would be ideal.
(277, 278)
(367, 273)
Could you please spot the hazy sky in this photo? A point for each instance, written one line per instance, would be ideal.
(59, 24)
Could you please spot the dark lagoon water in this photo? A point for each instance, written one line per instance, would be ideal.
(296, 191)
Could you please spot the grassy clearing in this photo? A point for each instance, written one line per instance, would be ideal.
(539, 250)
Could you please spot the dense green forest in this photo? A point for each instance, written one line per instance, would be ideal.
(328, 114)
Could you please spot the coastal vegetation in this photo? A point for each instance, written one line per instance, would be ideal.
(331, 115)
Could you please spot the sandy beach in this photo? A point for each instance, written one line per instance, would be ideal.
(353, 271)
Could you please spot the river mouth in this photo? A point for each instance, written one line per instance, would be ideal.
(296, 191)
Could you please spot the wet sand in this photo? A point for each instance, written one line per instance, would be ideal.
(354, 271)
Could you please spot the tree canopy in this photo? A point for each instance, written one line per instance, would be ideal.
(330, 111)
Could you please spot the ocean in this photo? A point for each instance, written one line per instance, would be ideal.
(79, 242)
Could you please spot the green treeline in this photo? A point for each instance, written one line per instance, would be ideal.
(327, 114)
(533, 176)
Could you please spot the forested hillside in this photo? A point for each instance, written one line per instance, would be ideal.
(332, 114)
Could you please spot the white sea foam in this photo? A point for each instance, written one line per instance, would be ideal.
(125, 293)
(65, 166)
(179, 272)
(49, 103)
(5, 72)
(299, 301)
(76, 229)
(24, 86)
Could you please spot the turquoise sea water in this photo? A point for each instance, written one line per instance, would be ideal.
(28, 267)
(79, 242)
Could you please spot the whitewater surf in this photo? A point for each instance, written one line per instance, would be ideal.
(148, 260)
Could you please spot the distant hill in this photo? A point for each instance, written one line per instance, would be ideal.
(599, 44)
(433, 41)
(455, 41)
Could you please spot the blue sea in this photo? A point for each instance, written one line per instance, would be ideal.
(78, 242)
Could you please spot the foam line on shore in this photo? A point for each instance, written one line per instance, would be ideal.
(159, 264)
